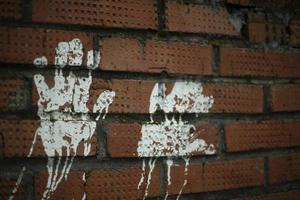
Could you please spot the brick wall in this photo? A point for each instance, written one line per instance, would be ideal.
(202, 99)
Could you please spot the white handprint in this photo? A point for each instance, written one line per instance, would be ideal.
(65, 119)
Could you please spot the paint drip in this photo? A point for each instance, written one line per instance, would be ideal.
(61, 130)
(174, 138)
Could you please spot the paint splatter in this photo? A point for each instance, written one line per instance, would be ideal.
(61, 130)
(174, 138)
(41, 62)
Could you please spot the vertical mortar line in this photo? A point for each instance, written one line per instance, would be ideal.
(266, 99)
(215, 60)
(29, 184)
(101, 132)
(26, 10)
(161, 15)
(266, 173)
(163, 178)
(221, 138)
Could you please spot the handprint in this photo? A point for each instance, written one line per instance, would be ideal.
(65, 120)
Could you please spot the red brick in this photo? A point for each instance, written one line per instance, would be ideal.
(13, 94)
(121, 184)
(122, 139)
(289, 195)
(6, 187)
(295, 32)
(23, 45)
(125, 54)
(285, 98)
(235, 98)
(109, 13)
(11, 9)
(253, 62)
(72, 188)
(18, 135)
(245, 136)
(133, 96)
(261, 29)
(217, 176)
(284, 168)
(198, 19)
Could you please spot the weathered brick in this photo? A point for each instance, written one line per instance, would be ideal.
(133, 96)
(125, 54)
(109, 13)
(262, 29)
(198, 19)
(253, 62)
(285, 98)
(289, 195)
(23, 45)
(295, 32)
(18, 137)
(122, 139)
(284, 168)
(121, 184)
(217, 176)
(14, 94)
(70, 188)
(6, 187)
(245, 136)
(11, 9)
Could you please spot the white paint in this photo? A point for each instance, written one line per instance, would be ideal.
(185, 97)
(93, 59)
(151, 165)
(170, 138)
(69, 53)
(16, 187)
(103, 102)
(61, 130)
(174, 138)
(84, 181)
(187, 161)
(143, 175)
(41, 62)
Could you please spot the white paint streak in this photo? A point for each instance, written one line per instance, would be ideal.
(16, 187)
(187, 161)
(103, 102)
(151, 165)
(143, 175)
(169, 165)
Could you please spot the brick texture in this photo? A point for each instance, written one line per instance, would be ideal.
(198, 19)
(127, 54)
(6, 187)
(264, 135)
(289, 195)
(11, 9)
(70, 188)
(122, 139)
(217, 176)
(121, 184)
(285, 98)
(133, 96)
(18, 135)
(261, 29)
(23, 45)
(14, 94)
(108, 13)
(284, 168)
(295, 32)
(251, 62)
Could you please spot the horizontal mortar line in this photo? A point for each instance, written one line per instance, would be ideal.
(90, 163)
(107, 31)
(28, 70)
(240, 192)
(132, 117)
